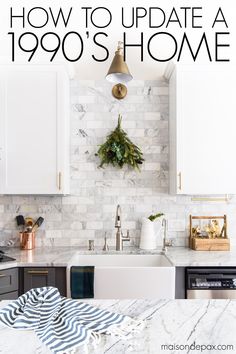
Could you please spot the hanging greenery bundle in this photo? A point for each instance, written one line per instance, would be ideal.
(119, 150)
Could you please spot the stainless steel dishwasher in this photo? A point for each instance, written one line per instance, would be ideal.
(211, 283)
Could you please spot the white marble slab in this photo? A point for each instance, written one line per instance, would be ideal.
(185, 257)
(7, 265)
(61, 256)
(182, 322)
(41, 257)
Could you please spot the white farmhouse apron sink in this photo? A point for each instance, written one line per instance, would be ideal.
(119, 276)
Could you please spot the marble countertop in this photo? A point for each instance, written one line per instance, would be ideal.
(168, 322)
(61, 256)
(39, 257)
(185, 257)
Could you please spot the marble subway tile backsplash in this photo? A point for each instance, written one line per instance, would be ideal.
(89, 211)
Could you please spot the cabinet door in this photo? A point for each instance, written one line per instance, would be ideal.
(9, 296)
(38, 277)
(205, 130)
(34, 277)
(34, 144)
(8, 280)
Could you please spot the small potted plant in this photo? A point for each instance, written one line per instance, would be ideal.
(151, 227)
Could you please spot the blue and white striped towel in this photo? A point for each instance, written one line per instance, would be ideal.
(63, 324)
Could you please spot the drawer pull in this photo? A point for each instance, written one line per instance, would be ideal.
(59, 180)
(38, 272)
(180, 181)
(3, 275)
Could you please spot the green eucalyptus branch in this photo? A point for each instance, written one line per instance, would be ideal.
(154, 217)
(119, 150)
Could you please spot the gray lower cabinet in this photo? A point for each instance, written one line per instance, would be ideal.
(180, 276)
(9, 284)
(13, 295)
(36, 277)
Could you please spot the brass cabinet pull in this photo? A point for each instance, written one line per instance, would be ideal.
(59, 180)
(38, 272)
(3, 275)
(180, 181)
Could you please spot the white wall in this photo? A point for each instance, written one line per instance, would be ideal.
(90, 209)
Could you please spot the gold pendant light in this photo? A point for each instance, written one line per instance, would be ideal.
(119, 74)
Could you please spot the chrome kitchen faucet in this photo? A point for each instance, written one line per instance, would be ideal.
(119, 234)
(166, 243)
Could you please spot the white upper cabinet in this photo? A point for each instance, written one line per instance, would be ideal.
(203, 130)
(34, 129)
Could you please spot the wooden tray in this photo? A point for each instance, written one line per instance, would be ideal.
(209, 244)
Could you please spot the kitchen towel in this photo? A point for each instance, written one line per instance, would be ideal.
(64, 324)
(82, 280)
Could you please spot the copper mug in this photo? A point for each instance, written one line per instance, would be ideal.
(27, 240)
